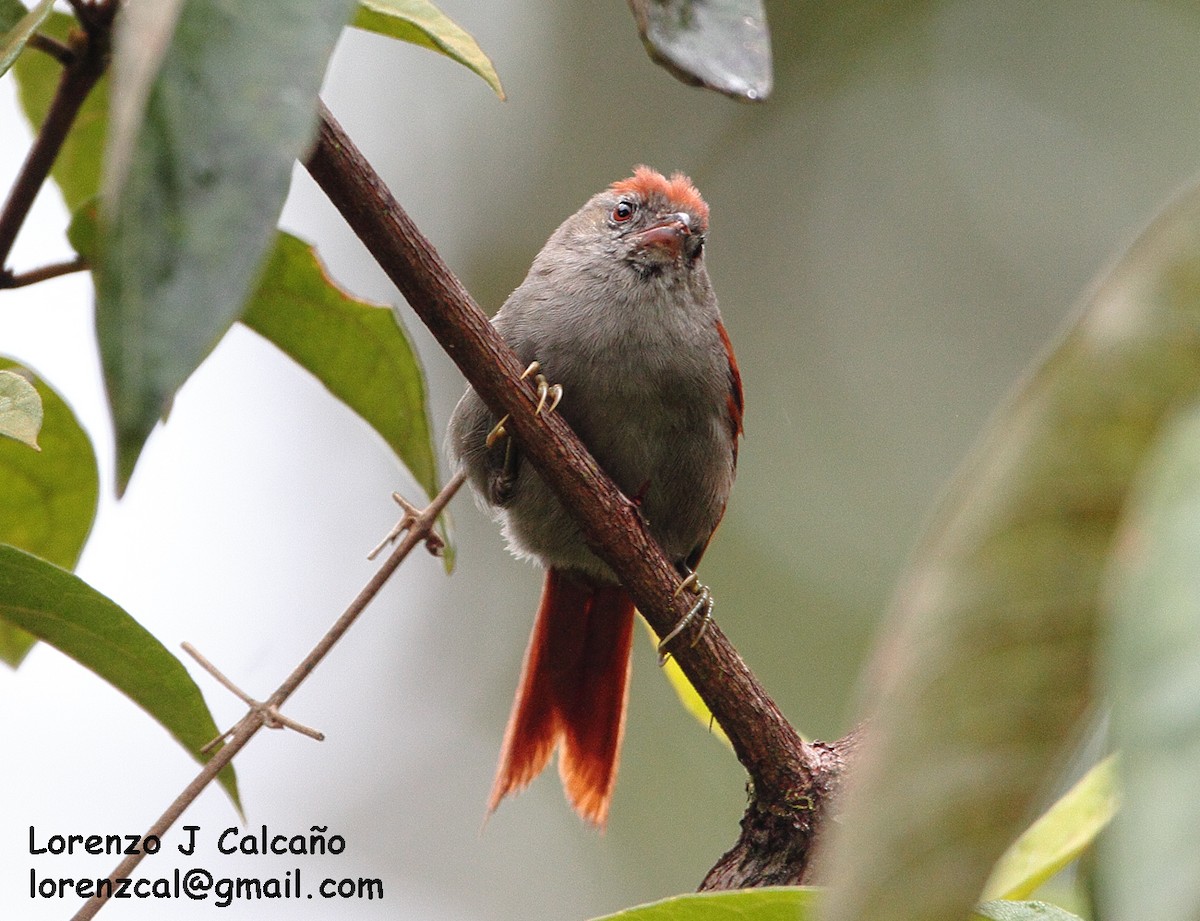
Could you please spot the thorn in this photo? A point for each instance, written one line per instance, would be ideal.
(268, 713)
(433, 543)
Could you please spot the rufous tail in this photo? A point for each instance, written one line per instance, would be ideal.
(572, 695)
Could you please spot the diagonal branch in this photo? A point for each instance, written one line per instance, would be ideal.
(790, 779)
(88, 61)
(419, 531)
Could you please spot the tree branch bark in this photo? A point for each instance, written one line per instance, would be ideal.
(791, 780)
(9, 279)
(88, 61)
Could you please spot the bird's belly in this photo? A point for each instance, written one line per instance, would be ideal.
(675, 465)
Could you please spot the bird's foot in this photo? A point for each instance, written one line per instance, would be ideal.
(702, 608)
(549, 396)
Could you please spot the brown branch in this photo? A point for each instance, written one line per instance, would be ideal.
(53, 47)
(776, 843)
(87, 14)
(89, 59)
(419, 530)
(791, 780)
(33, 276)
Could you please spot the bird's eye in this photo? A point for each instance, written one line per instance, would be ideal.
(623, 211)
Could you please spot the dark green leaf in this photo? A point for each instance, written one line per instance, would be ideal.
(47, 499)
(422, 23)
(1150, 858)
(773, 903)
(11, 12)
(215, 106)
(1001, 910)
(18, 33)
(720, 44)
(64, 611)
(77, 167)
(988, 666)
(20, 409)
(358, 350)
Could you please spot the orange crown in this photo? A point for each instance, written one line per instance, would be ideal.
(678, 191)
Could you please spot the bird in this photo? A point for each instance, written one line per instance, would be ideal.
(618, 310)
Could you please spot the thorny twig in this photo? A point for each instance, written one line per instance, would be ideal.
(259, 714)
(272, 718)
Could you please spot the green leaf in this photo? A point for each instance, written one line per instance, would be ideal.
(213, 107)
(76, 170)
(17, 34)
(723, 45)
(11, 13)
(83, 232)
(1149, 860)
(422, 23)
(20, 409)
(64, 611)
(1063, 832)
(771, 903)
(1001, 910)
(358, 350)
(48, 499)
(988, 665)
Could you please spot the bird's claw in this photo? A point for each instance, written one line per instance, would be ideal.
(547, 392)
(703, 607)
(534, 368)
(690, 582)
(549, 396)
(498, 431)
